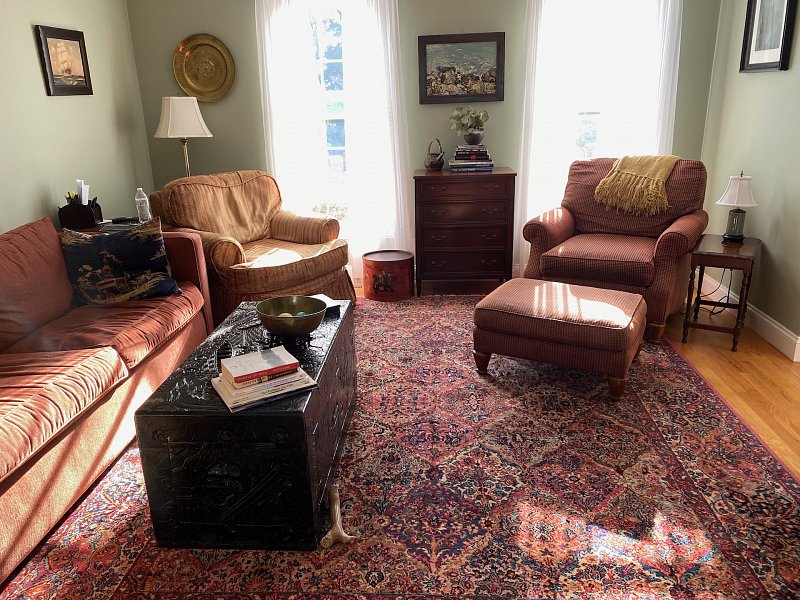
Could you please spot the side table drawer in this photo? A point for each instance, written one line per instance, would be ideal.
(441, 262)
(465, 237)
(455, 212)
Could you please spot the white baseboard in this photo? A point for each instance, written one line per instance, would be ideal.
(774, 333)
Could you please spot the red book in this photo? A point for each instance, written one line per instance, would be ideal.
(261, 363)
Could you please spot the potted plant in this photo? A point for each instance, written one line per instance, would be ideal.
(469, 122)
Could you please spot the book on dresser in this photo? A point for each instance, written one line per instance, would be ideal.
(475, 158)
(258, 364)
(274, 389)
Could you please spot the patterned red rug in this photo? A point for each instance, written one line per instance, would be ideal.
(526, 483)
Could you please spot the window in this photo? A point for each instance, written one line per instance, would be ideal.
(334, 119)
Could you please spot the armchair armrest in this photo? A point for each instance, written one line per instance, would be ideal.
(221, 251)
(544, 232)
(288, 226)
(188, 263)
(680, 237)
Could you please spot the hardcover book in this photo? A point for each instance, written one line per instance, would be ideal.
(240, 402)
(257, 364)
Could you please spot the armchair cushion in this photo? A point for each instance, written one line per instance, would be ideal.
(240, 204)
(685, 187)
(620, 259)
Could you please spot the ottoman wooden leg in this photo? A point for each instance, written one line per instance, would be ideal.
(616, 385)
(481, 360)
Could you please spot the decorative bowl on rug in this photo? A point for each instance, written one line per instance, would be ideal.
(291, 316)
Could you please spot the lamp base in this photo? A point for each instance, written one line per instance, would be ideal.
(732, 240)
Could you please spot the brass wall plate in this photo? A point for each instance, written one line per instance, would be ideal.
(204, 67)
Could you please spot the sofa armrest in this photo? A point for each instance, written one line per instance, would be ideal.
(288, 226)
(188, 263)
(544, 232)
(680, 237)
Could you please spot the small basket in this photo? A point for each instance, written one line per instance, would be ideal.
(434, 161)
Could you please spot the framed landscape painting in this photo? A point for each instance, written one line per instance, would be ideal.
(768, 30)
(464, 67)
(64, 62)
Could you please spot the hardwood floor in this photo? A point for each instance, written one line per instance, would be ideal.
(760, 383)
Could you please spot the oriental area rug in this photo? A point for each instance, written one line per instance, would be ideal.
(526, 483)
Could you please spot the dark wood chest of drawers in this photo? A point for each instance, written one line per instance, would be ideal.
(464, 225)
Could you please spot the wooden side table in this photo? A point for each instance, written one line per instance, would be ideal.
(711, 252)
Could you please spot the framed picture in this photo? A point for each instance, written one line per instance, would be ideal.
(768, 29)
(64, 62)
(464, 67)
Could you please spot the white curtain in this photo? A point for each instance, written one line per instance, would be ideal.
(373, 197)
(602, 83)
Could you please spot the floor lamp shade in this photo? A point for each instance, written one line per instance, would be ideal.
(181, 119)
(739, 196)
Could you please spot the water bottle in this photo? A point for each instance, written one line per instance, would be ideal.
(142, 206)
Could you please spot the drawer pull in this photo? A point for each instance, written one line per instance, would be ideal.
(490, 211)
(438, 211)
(488, 262)
(489, 236)
(438, 238)
(438, 263)
(489, 186)
(438, 188)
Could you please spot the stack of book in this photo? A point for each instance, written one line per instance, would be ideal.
(260, 376)
(471, 158)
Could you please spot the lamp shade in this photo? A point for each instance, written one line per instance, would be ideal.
(181, 118)
(738, 193)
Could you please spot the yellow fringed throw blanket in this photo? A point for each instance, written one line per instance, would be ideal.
(635, 184)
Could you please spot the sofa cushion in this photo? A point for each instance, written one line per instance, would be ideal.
(33, 280)
(41, 393)
(133, 329)
(239, 203)
(620, 259)
(119, 266)
(686, 188)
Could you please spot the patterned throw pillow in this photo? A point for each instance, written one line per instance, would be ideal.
(114, 267)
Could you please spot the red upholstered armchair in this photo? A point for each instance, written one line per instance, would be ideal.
(582, 242)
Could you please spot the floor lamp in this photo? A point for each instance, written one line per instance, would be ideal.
(181, 119)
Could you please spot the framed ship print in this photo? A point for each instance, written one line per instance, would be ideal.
(64, 62)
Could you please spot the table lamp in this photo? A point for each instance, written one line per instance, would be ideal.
(181, 119)
(738, 195)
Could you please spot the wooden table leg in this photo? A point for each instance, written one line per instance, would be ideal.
(741, 309)
(699, 292)
(688, 314)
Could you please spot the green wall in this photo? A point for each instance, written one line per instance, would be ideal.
(49, 141)
(753, 125)
(427, 121)
(235, 121)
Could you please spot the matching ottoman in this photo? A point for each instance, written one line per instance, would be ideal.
(569, 325)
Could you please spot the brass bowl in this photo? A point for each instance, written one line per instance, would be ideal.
(269, 312)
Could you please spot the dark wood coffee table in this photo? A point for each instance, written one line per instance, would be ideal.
(255, 478)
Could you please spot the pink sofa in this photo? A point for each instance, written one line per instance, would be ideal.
(71, 377)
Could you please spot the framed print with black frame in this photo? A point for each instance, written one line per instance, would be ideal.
(462, 67)
(768, 30)
(64, 62)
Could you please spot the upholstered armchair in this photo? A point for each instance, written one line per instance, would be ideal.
(254, 249)
(584, 243)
